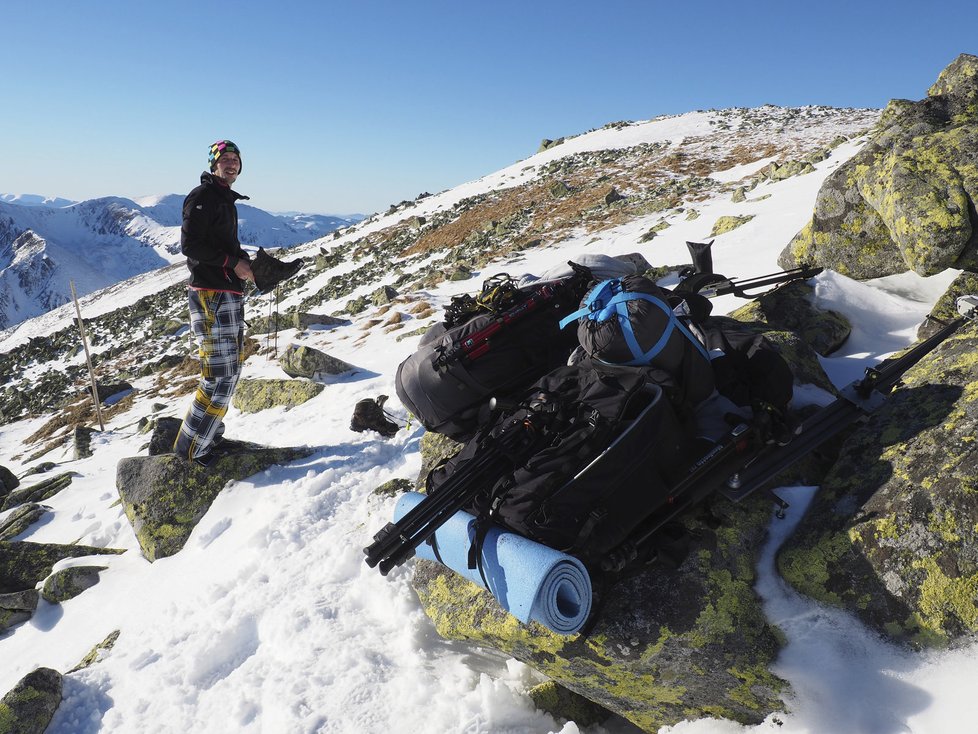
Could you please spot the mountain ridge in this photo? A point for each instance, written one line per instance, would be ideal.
(46, 244)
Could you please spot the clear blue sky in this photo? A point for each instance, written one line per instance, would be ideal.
(343, 107)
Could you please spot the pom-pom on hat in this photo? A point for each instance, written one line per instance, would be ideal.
(220, 148)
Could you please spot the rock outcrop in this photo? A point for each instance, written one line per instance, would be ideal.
(23, 565)
(31, 704)
(892, 535)
(165, 496)
(906, 201)
(254, 395)
(303, 361)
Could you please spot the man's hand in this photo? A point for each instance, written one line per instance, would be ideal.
(243, 270)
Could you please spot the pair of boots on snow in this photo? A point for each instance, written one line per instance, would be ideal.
(270, 271)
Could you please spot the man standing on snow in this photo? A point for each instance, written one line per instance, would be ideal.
(218, 265)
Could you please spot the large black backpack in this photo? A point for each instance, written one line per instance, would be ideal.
(632, 321)
(493, 346)
(603, 445)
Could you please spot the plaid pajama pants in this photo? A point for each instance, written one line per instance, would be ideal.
(217, 322)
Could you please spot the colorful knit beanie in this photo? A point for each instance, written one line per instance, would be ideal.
(220, 148)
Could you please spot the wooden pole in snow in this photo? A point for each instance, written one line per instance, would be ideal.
(88, 357)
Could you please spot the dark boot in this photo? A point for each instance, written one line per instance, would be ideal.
(368, 415)
(270, 271)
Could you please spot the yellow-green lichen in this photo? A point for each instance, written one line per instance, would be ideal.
(807, 570)
(944, 525)
(942, 597)
(726, 224)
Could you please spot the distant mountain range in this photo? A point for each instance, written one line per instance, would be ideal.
(46, 243)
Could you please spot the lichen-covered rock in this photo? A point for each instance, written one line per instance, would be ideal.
(383, 295)
(893, 533)
(24, 564)
(69, 582)
(292, 320)
(165, 430)
(45, 489)
(787, 169)
(434, 448)
(17, 607)
(165, 496)
(304, 320)
(727, 224)
(20, 519)
(945, 310)
(669, 644)
(790, 308)
(95, 654)
(31, 704)
(254, 395)
(562, 703)
(82, 442)
(302, 361)
(8, 482)
(904, 201)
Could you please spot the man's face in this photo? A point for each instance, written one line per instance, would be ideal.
(227, 167)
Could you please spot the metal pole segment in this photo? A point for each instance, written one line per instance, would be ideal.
(88, 358)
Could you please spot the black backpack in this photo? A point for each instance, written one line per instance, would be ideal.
(632, 321)
(495, 345)
(603, 443)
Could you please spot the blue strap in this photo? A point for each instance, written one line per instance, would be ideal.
(595, 302)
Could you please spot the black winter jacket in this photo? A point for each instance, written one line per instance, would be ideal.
(209, 236)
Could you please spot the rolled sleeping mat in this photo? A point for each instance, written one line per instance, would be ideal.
(529, 580)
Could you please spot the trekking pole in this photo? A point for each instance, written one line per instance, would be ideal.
(88, 357)
(725, 286)
(859, 398)
(395, 542)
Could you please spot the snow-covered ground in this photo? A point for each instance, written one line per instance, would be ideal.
(269, 620)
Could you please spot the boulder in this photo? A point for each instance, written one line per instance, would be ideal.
(302, 361)
(31, 704)
(165, 430)
(727, 224)
(790, 308)
(383, 295)
(892, 535)
(95, 654)
(38, 492)
(669, 644)
(165, 496)
(253, 395)
(903, 202)
(8, 481)
(82, 442)
(303, 320)
(17, 607)
(294, 320)
(109, 389)
(69, 582)
(24, 564)
(945, 309)
(20, 519)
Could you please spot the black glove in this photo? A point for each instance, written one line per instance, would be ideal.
(270, 271)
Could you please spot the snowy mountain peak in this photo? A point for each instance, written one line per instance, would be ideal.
(98, 242)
